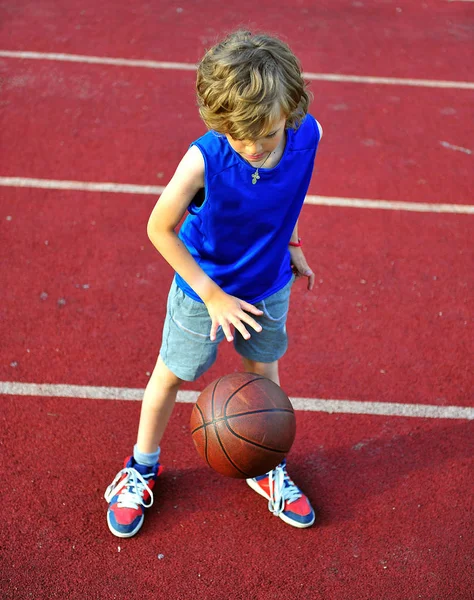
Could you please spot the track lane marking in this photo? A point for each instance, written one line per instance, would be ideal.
(156, 190)
(154, 64)
(85, 186)
(391, 409)
(456, 148)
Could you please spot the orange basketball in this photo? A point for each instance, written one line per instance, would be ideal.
(243, 425)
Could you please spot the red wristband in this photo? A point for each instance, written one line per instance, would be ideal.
(295, 244)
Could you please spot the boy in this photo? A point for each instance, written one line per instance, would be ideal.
(236, 255)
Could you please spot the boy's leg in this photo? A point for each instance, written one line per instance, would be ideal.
(158, 403)
(131, 491)
(285, 499)
(268, 370)
(186, 352)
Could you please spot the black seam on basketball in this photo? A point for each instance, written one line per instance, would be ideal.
(248, 412)
(260, 410)
(201, 413)
(219, 419)
(212, 415)
(241, 437)
(226, 455)
(257, 378)
(205, 444)
(212, 397)
(205, 430)
(204, 424)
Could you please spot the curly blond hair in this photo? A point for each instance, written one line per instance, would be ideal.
(247, 82)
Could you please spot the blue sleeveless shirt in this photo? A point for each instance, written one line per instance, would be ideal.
(239, 234)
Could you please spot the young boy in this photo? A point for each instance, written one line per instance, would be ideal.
(236, 255)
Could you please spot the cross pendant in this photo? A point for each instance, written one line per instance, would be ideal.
(255, 176)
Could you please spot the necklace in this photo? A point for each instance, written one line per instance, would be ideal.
(255, 175)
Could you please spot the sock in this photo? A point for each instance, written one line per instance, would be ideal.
(142, 458)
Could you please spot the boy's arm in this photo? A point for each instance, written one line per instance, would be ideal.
(298, 260)
(224, 310)
(168, 212)
(294, 236)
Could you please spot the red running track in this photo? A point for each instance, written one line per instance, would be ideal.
(394, 515)
(124, 125)
(390, 319)
(387, 320)
(428, 40)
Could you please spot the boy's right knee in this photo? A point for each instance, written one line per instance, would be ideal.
(166, 377)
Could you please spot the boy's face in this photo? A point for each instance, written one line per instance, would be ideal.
(258, 150)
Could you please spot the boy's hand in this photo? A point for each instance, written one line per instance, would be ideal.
(227, 311)
(300, 266)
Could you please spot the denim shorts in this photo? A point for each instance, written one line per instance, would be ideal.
(187, 349)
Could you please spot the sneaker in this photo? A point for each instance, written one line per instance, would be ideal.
(128, 496)
(285, 500)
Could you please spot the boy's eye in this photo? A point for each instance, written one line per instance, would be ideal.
(270, 135)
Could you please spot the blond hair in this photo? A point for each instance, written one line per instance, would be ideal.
(247, 82)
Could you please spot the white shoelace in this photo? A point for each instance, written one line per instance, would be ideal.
(131, 489)
(282, 490)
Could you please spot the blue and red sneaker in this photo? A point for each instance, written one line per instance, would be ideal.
(285, 500)
(128, 496)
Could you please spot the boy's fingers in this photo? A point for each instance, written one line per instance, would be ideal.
(241, 328)
(252, 322)
(227, 332)
(250, 308)
(213, 333)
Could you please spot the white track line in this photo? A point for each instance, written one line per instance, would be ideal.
(11, 388)
(84, 186)
(429, 83)
(99, 60)
(154, 64)
(459, 209)
(156, 190)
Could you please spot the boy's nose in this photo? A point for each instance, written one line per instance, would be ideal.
(253, 148)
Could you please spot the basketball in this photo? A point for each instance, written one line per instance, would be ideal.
(243, 425)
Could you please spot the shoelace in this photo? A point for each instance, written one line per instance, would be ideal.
(131, 489)
(282, 490)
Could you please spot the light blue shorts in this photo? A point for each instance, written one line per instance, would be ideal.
(186, 347)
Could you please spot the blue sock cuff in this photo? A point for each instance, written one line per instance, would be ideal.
(142, 458)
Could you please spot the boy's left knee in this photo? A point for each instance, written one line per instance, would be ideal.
(269, 370)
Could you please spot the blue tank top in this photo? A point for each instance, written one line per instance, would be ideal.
(239, 233)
